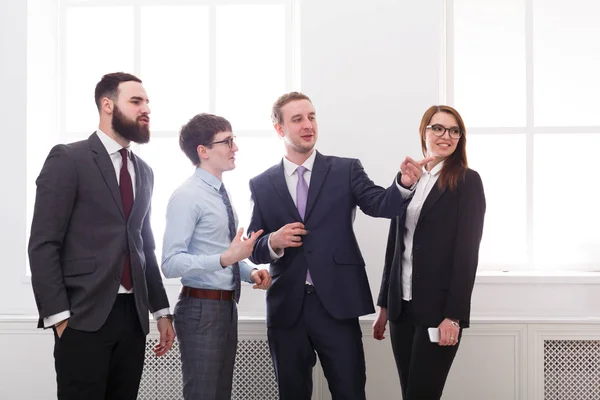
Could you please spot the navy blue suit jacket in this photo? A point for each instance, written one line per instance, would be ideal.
(330, 249)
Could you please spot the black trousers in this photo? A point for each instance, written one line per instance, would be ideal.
(102, 365)
(338, 343)
(423, 366)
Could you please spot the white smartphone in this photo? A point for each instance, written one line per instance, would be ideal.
(434, 335)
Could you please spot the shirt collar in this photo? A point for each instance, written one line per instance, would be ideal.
(209, 178)
(435, 171)
(291, 167)
(110, 144)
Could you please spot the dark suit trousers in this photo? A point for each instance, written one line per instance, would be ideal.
(423, 366)
(102, 365)
(338, 343)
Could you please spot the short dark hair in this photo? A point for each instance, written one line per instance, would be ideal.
(201, 130)
(276, 116)
(109, 85)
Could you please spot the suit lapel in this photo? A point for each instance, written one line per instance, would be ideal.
(317, 178)
(278, 180)
(107, 170)
(140, 176)
(431, 199)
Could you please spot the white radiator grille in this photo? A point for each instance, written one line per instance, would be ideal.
(253, 377)
(572, 369)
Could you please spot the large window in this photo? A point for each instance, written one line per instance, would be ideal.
(524, 76)
(231, 58)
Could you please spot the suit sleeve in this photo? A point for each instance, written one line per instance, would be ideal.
(260, 253)
(156, 291)
(54, 202)
(374, 200)
(471, 211)
(382, 299)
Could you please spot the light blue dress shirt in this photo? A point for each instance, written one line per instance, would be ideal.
(197, 233)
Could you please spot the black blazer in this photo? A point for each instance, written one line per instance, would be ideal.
(445, 255)
(79, 237)
(337, 186)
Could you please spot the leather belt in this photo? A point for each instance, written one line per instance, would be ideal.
(207, 293)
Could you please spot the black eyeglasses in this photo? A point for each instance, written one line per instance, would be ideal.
(229, 141)
(439, 131)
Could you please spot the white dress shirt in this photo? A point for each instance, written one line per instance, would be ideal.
(291, 179)
(413, 211)
(112, 147)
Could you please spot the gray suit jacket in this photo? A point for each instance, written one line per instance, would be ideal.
(79, 237)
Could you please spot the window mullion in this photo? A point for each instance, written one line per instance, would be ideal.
(62, 68)
(212, 68)
(448, 96)
(530, 123)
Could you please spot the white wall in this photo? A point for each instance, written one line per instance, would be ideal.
(371, 68)
(15, 297)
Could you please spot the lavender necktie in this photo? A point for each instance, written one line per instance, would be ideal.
(301, 197)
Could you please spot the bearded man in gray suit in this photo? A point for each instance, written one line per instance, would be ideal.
(91, 251)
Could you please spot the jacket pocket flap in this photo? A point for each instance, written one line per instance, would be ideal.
(347, 257)
(79, 267)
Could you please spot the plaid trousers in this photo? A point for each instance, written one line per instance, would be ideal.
(207, 335)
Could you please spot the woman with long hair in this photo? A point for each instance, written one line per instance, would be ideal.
(431, 260)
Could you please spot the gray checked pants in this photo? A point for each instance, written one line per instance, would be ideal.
(207, 335)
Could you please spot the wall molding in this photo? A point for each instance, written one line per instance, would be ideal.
(528, 336)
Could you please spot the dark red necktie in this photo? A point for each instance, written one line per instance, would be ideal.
(127, 198)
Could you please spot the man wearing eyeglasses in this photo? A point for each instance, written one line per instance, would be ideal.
(306, 206)
(203, 247)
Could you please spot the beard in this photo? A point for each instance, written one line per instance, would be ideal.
(129, 129)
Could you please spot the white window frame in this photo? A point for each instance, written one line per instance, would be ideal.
(292, 75)
(292, 64)
(529, 130)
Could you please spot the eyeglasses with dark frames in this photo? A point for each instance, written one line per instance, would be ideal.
(229, 141)
(439, 131)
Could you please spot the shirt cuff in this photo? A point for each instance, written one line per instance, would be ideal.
(160, 313)
(274, 256)
(245, 271)
(56, 318)
(405, 192)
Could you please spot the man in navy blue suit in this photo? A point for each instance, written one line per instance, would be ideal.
(306, 206)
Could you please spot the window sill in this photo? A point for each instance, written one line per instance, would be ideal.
(529, 277)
